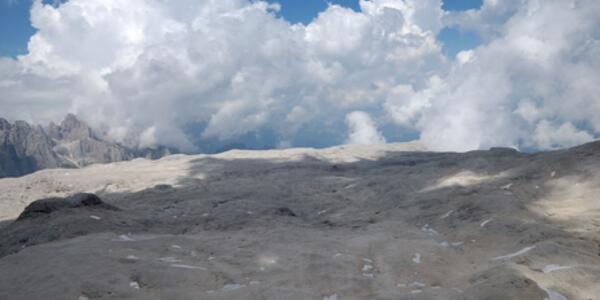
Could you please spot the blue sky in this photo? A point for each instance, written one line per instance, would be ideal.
(305, 10)
(15, 28)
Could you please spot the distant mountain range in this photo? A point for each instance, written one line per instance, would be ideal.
(26, 148)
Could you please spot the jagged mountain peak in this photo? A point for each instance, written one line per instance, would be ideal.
(70, 129)
(26, 148)
(4, 124)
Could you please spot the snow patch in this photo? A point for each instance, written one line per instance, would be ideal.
(429, 230)
(124, 238)
(367, 268)
(232, 287)
(169, 259)
(447, 244)
(180, 266)
(552, 268)
(446, 214)
(332, 297)
(135, 285)
(417, 258)
(417, 284)
(485, 223)
(552, 295)
(518, 253)
(350, 186)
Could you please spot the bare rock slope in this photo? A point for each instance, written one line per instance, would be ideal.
(352, 222)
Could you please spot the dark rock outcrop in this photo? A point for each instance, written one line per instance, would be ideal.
(285, 212)
(50, 205)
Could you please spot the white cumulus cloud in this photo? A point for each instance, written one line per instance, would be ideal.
(144, 70)
(528, 85)
(362, 130)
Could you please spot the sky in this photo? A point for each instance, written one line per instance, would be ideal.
(15, 28)
(457, 75)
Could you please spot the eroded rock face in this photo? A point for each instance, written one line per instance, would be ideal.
(72, 129)
(26, 148)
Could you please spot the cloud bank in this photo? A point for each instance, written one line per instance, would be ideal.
(143, 70)
(362, 130)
